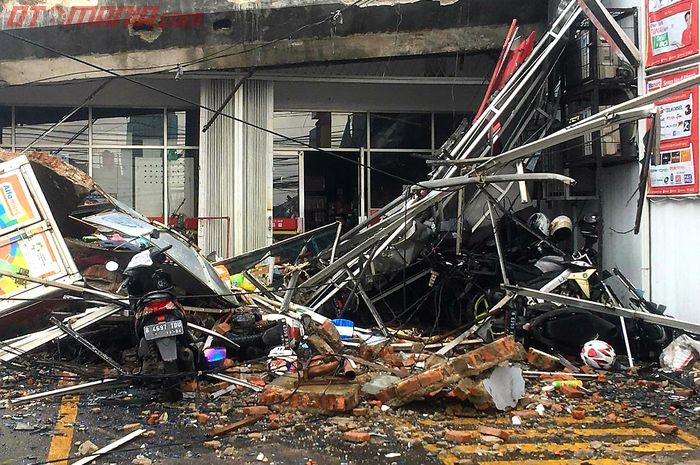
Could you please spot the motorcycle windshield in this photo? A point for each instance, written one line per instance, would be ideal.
(190, 262)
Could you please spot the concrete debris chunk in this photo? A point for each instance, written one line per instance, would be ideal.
(87, 448)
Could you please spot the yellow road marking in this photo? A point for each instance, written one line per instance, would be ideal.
(447, 458)
(585, 432)
(573, 446)
(487, 421)
(563, 462)
(685, 436)
(62, 441)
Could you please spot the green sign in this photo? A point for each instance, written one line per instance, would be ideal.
(659, 41)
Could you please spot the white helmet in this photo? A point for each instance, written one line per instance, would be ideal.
(561, 228)
(598, 354)
(539, 222)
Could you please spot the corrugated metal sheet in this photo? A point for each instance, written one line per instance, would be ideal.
(257, 152)
(675, 256)
(235, 168)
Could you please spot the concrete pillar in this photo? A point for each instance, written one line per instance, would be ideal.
(235, 168)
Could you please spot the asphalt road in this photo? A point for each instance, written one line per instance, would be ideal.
(52, 430)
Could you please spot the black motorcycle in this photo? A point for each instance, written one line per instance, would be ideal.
(165, 346)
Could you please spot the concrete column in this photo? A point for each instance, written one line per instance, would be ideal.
(235, 169)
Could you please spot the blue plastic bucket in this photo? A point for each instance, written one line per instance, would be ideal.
(345, 328)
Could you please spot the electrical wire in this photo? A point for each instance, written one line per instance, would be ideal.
(171, 67)
(221, 114)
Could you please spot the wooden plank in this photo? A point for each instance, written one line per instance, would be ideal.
(247, 421)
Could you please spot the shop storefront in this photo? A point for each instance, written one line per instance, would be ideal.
(146, 158)
(346, 182)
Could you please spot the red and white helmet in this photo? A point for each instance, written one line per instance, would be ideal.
(598, 354)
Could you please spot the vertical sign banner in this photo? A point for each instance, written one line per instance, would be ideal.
(675, 170)
(17, 208)
(672, 31)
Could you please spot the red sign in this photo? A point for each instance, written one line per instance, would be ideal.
(675, 170)
(284, 224)
(672, 30)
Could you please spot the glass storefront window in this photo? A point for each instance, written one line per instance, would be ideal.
(321, 128)
(183, 128)
(182, 182)
(33, 122)
(400, 130)
(133, 176)
(348, 130)
(300, 126)
(6, 125)
(445, 125)
(384, 188)
(285, 186)
(76, 156)
(331, 189)
(113, 127)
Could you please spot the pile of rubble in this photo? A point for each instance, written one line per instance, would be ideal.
(99, 301)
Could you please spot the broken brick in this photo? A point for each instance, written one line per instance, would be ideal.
(666, 429)
(487, 356)
(323, 398)
(329, 333)
(255, 410)
(684, 392)
(524, 413)
(570, 391)
(359, 411)
(273, 425)
(202, 418)
(475, 393)
(542, 360)
(460, 437)
(489, 431)
(386, 394)
(319, 345)
(188, 386)
(578, 414)
(222, 328)
(356, 436)
(257, 380)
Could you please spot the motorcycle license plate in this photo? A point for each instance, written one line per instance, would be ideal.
(161, 330)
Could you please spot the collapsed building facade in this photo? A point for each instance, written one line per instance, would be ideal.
(348, 218)
(380, 85)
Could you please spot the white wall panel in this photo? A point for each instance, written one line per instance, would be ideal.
(623, 251)
(675, 256)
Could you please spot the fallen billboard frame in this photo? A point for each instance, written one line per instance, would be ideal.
(606, 309)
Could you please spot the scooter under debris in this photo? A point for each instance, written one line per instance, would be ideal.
(165, 345)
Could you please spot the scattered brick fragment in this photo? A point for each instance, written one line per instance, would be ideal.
(666, 428)
(356, 436)
(359, 411)
(489, 431)
(255, 410)
(459, 437)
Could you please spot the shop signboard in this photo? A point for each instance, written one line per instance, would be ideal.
(30, 242)
(672, 31)
(675, 170)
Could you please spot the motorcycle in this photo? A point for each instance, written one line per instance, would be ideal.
(468, 285)
(165, 345)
